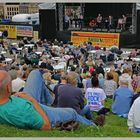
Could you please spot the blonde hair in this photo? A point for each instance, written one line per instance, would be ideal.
(47, 76)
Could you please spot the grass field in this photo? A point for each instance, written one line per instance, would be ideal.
(114, 127)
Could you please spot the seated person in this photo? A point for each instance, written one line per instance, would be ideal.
(122, 98)
(136, 95)
(72, 96)
(23, 111)
(134, 117)
(49, 82)
(96, 97)
(101, 80)
(18, 83)
(63, 81)
(109, 85)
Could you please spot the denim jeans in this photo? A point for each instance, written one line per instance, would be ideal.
(35, 87)
(123, 115)
(86, 111)
(137, 130)
(57, 115)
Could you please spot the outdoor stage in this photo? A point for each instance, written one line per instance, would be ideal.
(126, 38)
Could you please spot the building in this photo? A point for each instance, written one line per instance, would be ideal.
(23, 8)
(28, 8)
(11, 9)
(1, 10)
(8, 10)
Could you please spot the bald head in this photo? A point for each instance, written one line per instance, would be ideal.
(4, 80)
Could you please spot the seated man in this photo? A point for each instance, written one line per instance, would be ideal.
(134, 117)
(23, 111)
(122, 98)
(71, 96)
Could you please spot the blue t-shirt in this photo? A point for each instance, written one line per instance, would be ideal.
(122, 98)
(21, 113)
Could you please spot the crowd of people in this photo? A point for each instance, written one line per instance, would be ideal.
(67, 83)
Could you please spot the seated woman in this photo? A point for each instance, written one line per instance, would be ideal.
(96, 97)
(109, 85)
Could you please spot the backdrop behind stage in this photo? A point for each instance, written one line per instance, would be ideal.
(106, 9)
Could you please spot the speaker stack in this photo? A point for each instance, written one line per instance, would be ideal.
(47, 19)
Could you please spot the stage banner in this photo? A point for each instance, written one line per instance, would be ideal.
(97, 39)
(11, 29)
(24, 31)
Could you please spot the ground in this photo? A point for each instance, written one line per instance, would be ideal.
(114, 127)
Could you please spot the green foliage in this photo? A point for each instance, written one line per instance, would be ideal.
(114, 127)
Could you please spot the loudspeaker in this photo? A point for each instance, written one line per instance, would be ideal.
(118, 30)
(104, 30)
(98, 29)
(138, 22)
(47, 24)
(112, 30)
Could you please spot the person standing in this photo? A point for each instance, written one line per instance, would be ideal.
(110, 22)
(80, 20)
(67, 20)
(99, 20)
(124, 18)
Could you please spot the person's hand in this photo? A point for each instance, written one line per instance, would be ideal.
(130, 128)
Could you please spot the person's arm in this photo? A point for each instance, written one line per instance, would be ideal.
(131, 117)
(81, 101)
(114, 95)
(103, 97)
(46, 124)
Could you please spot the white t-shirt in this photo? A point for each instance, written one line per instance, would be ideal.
(94, 97)
(17, 84)
(84, 81)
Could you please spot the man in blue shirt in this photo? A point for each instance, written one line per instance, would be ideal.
(122, 99)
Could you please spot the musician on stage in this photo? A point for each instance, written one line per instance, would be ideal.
(99, 20)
